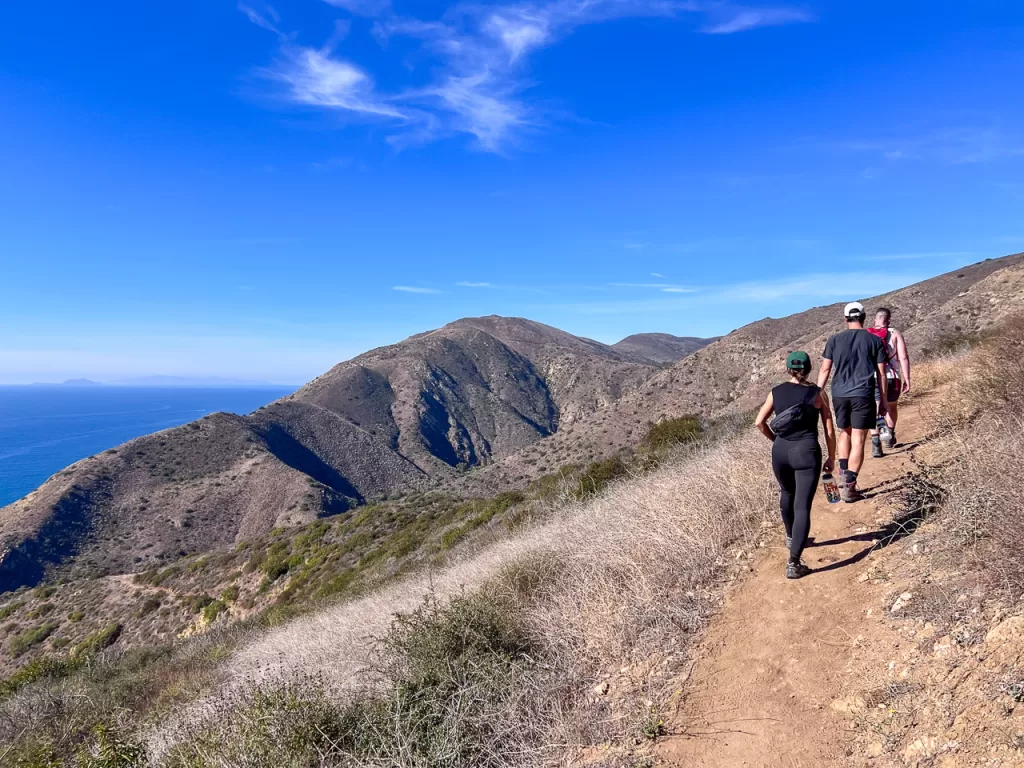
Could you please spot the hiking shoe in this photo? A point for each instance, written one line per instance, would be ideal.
(849, 493)
(891, 442)
(796, 570)
(876, 449)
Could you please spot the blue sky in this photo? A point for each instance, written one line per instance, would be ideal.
(249, 190)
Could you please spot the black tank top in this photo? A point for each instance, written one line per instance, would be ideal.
(789, 394)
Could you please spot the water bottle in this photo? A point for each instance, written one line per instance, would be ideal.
(883, 428)
(831, 489)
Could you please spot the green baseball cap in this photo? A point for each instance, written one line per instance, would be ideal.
(798, 361)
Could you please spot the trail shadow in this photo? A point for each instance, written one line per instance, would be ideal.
(920, 499)
(886, 486)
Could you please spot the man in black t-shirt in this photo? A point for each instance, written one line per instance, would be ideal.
(857, 359)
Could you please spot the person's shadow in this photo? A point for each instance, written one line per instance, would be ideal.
(920, 503)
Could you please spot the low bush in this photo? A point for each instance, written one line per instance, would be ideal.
(98, 640)
(459, 684)
(669, 433)
(19, 644)
(596, 477)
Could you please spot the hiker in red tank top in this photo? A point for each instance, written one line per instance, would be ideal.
(897, 373)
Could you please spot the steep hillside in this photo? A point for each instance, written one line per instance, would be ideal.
(660, 348)
(395, 419)
(511, 399)
(732, 375)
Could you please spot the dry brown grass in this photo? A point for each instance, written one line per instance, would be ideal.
(613, 581)
(980, 459)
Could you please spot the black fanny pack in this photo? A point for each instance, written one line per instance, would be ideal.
(790, 420)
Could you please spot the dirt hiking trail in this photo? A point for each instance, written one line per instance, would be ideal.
(775, 666)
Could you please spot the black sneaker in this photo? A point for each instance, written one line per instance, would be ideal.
(876, 448)
(796, 570)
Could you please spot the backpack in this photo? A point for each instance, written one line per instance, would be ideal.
(885, 334)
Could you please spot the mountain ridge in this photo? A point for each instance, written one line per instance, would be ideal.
(661, 348)
(397, 418)
(509, 398)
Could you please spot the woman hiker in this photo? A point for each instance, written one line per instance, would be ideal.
(796, 453)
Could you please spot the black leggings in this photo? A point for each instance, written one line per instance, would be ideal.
(797, 466)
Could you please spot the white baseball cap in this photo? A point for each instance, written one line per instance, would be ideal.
(853, 308)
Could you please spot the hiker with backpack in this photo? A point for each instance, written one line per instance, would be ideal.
(857, 359)
(796, 453)
(897, 377)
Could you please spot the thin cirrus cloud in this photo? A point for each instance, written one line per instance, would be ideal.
(478, 58)
(414, 289)
(962, 145)
(468, 284)
(834, 287)
(663, 287)
(747, 19)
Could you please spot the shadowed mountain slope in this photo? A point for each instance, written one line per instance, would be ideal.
(660, 348)
(394, 419)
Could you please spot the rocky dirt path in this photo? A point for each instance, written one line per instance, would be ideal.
(776, 665)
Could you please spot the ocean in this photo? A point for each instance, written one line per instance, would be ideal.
(44, 429)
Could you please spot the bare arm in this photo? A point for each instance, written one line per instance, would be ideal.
(904, 358)
(761, 422)
(830, 429)
(883, 388)
(824, 373)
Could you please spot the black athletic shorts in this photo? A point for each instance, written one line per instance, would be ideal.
(855, 412)
(894, 388)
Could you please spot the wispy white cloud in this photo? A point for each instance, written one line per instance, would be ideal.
(744, 19)
(479, 57)
(811, 289)
(658, 275)
(962, 145)
(413, 289)
(314, 78)
(640, 285)
(361, 7)
(268, 19)
(663, 287)
(467, 284)
(816, 287)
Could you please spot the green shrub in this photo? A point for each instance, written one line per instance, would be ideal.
(671, 432)
(212, 610)
(149, 605)
(9, 609)
(45, 667)
(21, 643)
(596, 476)
(111, 750)
(230, 594)
(97, 641)
(425, 715)
(196, 603)
(76, 616)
